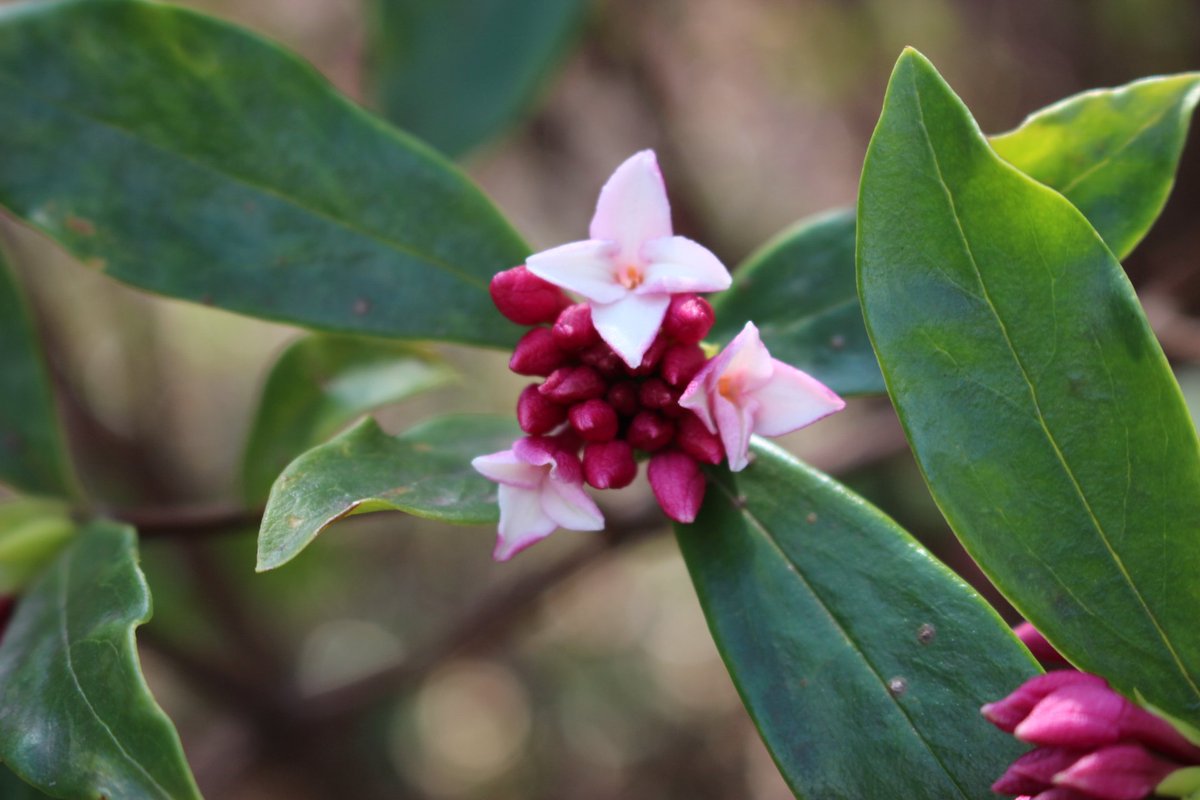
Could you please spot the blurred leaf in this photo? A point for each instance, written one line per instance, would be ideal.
(862, 660)
(426, 471)
(191, 158)
(32, 531)
(1038, 403)
(799, 290)
(321, 383)
(76, 718)
(1111, 152)
(13, 788)
(457, 72)
(31, 447)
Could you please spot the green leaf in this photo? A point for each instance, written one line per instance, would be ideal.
(13, 788)
(799, 290)
(191, 158)
(426, 471)
(32, 532)
(862, 660)
(457, 72)
(31, 448)
(1038, 403)
(76, 718)
(1111, 152)
(321, 383)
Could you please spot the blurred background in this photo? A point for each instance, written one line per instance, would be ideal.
(576, 670)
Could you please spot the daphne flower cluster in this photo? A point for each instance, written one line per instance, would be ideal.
(625, 373)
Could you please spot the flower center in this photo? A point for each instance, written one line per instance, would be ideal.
(630, 276)
(729, 387)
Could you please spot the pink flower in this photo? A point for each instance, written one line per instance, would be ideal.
(632, 263)
(541, 490)
(743, 391)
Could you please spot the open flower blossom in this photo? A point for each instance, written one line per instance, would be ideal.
(1091, 743)
(541, 490)
(632, 263)
(744, 391)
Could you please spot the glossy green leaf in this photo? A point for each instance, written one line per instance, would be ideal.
(426, 471)
(862, 660)
(76, 718)
(31, 446)
(457, 72)
(193, 159)
(32, 532)
(799, 290)
(1037, 401)
(322, 383)
(1111, 152)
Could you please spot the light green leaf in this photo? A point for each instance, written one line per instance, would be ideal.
(426, 471)
(862, 660)
(32, 531)
(1111, 152)
(76, 718)
(321, 383)
(1038, 403)
(458, 72)
(191, 158)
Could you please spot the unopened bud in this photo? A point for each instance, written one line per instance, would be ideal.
(655, 394)
(603, 359)
(537, 414)
(1006, 714)
(688, 319)
(569, 385)
(574, 329)
(609, 465)
(678, 484)
(651, 358)
(536, 354)
(525, 298)
(1041, 649)
(1034, 772)
(594, 420)
(681, 362)
(698, 441)
(1123, 770)
(623, 397)
(650, 431)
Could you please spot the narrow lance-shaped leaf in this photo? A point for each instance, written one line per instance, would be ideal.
(426, 471)
(457, 72)
(1038, 403)
(862, 660)
(191, 158)
(31, 448)
(76, 718)
(321, 383)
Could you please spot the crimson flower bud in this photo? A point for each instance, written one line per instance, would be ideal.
(602, 358)
(678, 484)
(574, 329)
(1041, 649)
(681, 362)
(654, 393)
(623, 397)
(651, 358)
(569, 385)
(698, 441)
(1006, 714)
(609, 465)
(536, 354)
(537, 414)
(688, 319)
(594, 420)
(525, 298)
(650, 431)
(1120, 771)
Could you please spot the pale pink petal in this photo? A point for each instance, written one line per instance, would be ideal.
(569, 505)
(633, 207)
(506, 468)
(748, 365)
(522, 521)
(587, 267)
(630, 324)
(676, 264)
(537, 450)
(696, 396)
(791, 399)
(735, 424)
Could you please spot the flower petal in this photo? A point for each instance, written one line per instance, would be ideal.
(792, 399)
(586, 267)
(522, 521)
(735, 424)
(1120, 772)
(678, 484)
(507, 469)
(570, 506)
(676, 264)
(746, 359)
(630, 324)
(633, 207)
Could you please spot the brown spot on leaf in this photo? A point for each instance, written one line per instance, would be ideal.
(98, 264)
(361, 306)
(897, 686)
(811, 519)
(926, 633)
(83, 227)
(837, 342)
(295, 522)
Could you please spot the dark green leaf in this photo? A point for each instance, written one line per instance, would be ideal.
(1111, 152)
(1034, 394)
(76, 718)
(799, 290)
(13, 788)
(862, 660)
(426, 471)
(31, 447)
(189, 157)
(321, 383)
(32, 531)
(457, 72)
